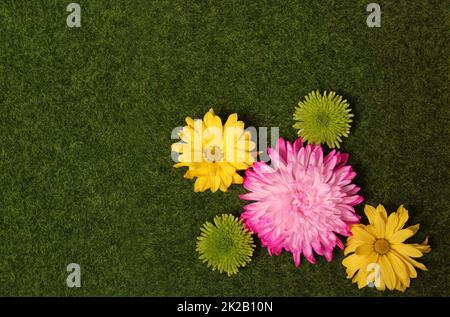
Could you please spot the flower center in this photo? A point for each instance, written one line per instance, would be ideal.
(300, 202)
(323, 119)
(382, 246)
(225, 244)
(213, 154)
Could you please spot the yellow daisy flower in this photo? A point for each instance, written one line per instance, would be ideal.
(214, 152)
(380, 257)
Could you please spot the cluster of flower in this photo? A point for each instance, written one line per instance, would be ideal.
(301, 203)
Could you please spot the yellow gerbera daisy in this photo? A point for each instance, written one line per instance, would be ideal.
(380, 257)
(214, 152)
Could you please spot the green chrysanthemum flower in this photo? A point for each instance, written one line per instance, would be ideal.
(225, 245)
(323, 118)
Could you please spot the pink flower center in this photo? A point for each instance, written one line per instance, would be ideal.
(301, 203)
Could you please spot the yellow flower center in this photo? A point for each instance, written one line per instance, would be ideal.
(382, 246)
(213, 154)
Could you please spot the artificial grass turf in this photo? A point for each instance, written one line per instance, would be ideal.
(86, 116)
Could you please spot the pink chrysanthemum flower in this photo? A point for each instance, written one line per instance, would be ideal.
(302, 201)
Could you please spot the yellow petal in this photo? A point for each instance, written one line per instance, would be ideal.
(217, 122)
(203, 183)
(364, 250)
(352, 263)
(227, 168)
(410, 268)
(400, 287)
(380, 226)
(387, 272)
(240, 124)
(201, 169)
(190, 121)
(423, 247)
(391, 225)
(403, 216)
(208, 118)
(197, 187)
(382, 211)
(407, 250)
(362, 278)
(237, 179)
(189, 174)
(371, 229)
(417, 264)
(214, 129)
(352, 244)
(225, 178)
(370, 213)
(401, 236)
(381, 286)
(363, 235)
(180, 164)
(187, 134)
(215, 183)
(244, 157)
(212, 136)
(239, 165)
(373, 269)
(366, 272)
(244, 145)
(399, 267)
(414, 228)
(179, 147)
(246, 136)
(355, 278)
(223, 187)
(231, 121)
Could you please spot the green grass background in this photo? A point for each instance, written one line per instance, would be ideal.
(86, 116)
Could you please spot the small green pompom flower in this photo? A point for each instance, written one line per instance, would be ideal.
(225, 245)
(323, 118)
